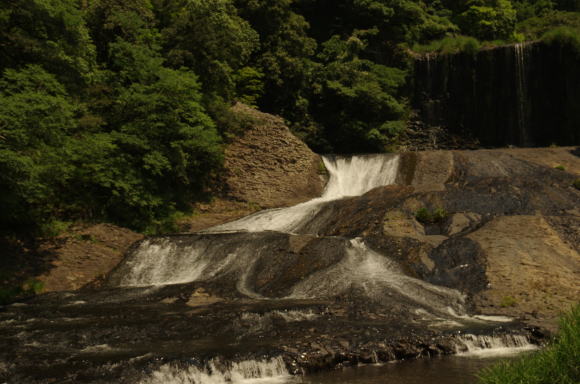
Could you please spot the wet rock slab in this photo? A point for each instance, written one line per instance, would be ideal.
(124, 335)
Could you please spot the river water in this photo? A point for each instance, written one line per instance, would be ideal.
(444, 370)
(459, 369)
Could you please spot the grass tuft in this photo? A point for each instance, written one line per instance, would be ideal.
(426, 216)
(557, 363)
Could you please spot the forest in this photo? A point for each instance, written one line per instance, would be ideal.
(119, 110)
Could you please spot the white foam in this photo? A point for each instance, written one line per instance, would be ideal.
(378, 277)
(496, 319)
(491, 346)
(244, 372)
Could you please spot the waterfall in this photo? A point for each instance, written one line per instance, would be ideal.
(428, 60)
(351, 176)
(234, 254)
(169, 260)
(378, 278)
(231, 253)
(481, 345)
(520, 52)
(216, 372)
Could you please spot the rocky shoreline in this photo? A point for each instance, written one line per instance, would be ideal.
(123, 337)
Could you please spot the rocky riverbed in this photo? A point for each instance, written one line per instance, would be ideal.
(418, 268)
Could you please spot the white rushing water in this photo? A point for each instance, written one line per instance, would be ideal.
(379, 278)
(492, 346)
(352, 176)
(166, 262)
(163, 261)
(244, 372)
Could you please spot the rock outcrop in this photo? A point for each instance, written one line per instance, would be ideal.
(269, 166)
(266, 166)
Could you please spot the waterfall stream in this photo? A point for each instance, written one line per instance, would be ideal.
(520, 53)
(243, 372)
(348, 177)
(233, 251)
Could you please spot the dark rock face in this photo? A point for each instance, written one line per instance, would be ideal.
(459, 263)
(524, 94)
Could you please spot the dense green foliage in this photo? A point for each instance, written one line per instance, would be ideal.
(118, 109)
(450, 45)
(557, 363)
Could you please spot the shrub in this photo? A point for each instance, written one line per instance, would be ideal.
(489, 22)
(30, 287)
(536, 27)
(508, 301)
(450, 45)
(426, 216)
(558, 363)
(322, 168)
(33, 286)
(560, 167)
(563, 36)
(576, 184)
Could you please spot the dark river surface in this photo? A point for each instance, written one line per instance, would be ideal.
(444, 370)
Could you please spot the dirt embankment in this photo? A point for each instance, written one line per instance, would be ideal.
(68, 262)
(270, 166)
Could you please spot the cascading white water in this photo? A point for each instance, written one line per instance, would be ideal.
(244, 372)
(163, 261)
(482, 345)
(168, 262)
(378, 277)
(352, 176)
(357, 175)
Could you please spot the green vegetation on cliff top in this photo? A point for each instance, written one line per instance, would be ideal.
(118, 110)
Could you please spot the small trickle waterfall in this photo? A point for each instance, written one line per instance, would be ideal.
(521, 57)
(502, 96)
(216, 372)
